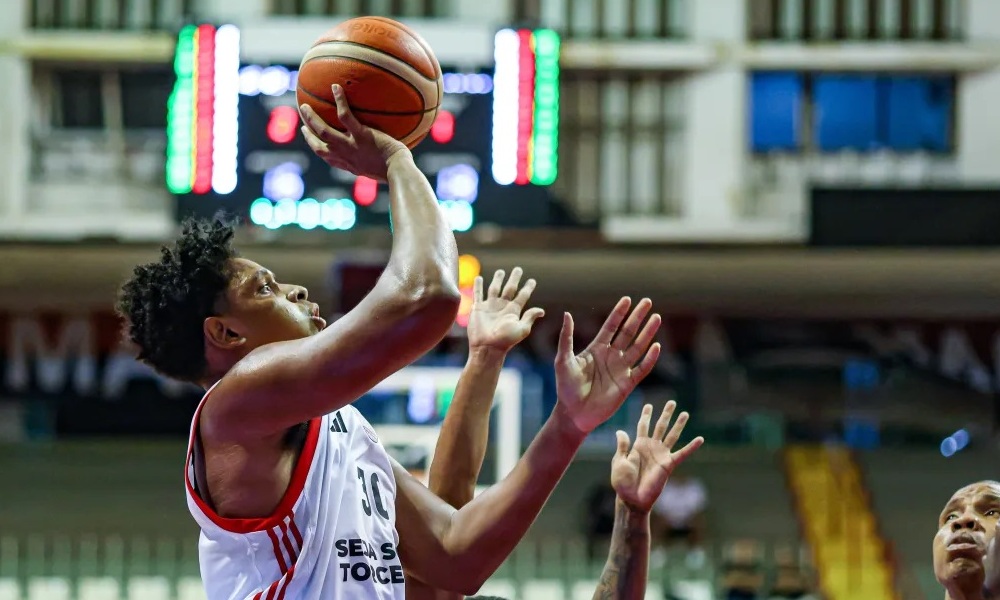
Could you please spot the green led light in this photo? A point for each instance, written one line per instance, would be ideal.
(545, 136)
(180, 115)
(444, 398)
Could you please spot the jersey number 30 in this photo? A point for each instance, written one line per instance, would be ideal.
(366, 504)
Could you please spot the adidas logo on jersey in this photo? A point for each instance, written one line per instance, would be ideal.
(338, 424)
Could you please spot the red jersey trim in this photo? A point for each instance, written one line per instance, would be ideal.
(292, 494)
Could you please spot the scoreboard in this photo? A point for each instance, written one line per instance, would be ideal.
(234, 144)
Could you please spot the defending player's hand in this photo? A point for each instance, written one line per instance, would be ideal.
(498, 320)
(593, 384)
(359, 149)
(638, 475)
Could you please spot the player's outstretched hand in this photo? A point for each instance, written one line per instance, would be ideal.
(498, 320)
(639, 474)
(359, 149)
(593, 384)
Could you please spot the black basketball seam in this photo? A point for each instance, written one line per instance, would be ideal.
(414, 35)
(388, 113)
(365, 62)
(360, 45)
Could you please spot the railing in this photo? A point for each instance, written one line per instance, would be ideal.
(873, 20)
(607, 18)
(386, 8)
(108, 14)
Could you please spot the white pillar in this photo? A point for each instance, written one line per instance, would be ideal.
(715, 132)
(15, 143)
(977, 128)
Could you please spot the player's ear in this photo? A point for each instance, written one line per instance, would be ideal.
(219, 334)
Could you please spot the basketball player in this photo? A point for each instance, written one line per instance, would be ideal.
(638, 476)
(295, 496)
(966, 541)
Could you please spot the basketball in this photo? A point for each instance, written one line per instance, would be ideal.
(390, 75)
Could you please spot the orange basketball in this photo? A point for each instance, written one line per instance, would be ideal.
(390, 74)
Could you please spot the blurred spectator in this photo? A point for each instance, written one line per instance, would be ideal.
(599, 519)
(792, 579)
(679, 515)
(742, 571)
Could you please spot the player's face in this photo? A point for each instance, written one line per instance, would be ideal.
(262, 311)
(966, 527)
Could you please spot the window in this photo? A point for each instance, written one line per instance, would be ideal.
(79, 103)
(845, 112)
(144, 98)
(775, 111)
(863, 113)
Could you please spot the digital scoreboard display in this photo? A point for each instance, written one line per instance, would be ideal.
(234, 143)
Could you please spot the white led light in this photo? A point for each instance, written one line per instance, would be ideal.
(505, 106)
(225, 128)
(308, 214)
(274, 81)
(250, 80)
(459, 214)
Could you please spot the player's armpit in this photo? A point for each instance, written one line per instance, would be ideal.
(283, 384)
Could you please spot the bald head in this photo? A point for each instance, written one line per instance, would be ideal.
(966, 527)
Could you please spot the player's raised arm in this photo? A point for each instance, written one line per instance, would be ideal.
(409, 311)
(496, 325)
(459, 550)
(638, 475)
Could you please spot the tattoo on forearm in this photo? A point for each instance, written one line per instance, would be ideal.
(624, 576)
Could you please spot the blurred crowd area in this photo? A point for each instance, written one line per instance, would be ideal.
(806, 189)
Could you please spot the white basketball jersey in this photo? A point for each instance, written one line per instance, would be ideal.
(332, 537)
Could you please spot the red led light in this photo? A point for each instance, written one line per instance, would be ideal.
(365, 191)
(205, 102)
(465, 307)
(283, 124)
(525, 105)
(443, 129)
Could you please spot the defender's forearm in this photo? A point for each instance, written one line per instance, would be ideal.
(624, 575)
(461, 445)
(481, 535)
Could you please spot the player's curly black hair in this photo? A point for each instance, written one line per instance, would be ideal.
(164, 303)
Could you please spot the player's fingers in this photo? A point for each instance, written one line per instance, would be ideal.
(623, 444)
(496, 284)
(565, 348)
(628, 331)
(510, 290)
(682, 454)
(347, 118)
(531, 315)
(318, 127)
(642, 429)
(477, 289)
(613, 322)
(317, 145)
(643, 340)
(660, 429)
(646, 365)
(522, 297)
(675, 432)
